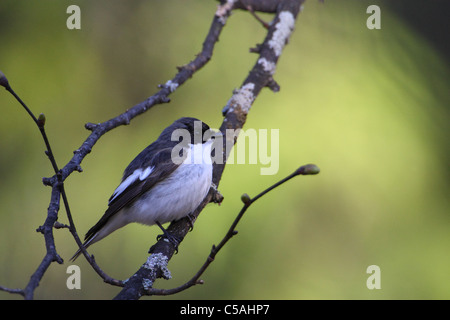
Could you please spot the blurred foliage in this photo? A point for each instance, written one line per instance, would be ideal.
(369, 107)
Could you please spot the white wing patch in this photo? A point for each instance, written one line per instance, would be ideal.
(144, 174)
(137, 174)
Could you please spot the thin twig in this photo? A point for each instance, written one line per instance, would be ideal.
(52, 213)
(13, 291)
(253, 13)
(235, 114)
(309, 169)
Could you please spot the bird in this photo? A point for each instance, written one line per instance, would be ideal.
(165, 182)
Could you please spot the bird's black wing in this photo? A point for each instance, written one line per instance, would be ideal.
(162, 166)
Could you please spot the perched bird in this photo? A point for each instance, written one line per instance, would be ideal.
(165, 182)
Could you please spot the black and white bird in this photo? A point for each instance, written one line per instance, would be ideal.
(165, 182)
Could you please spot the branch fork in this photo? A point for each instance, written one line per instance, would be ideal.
(235, 114)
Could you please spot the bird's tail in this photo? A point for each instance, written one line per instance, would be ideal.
(101, 229)
(85, 245)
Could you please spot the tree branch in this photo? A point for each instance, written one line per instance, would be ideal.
(303, 170)
(98, 130)
(235, 114)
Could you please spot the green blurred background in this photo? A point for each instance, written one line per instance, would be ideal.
(369, 107)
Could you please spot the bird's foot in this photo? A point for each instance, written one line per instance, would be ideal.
(174, 240)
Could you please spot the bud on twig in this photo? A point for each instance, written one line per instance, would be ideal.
(308, 169)
(41, 120)
(3, 81)
(246, 199)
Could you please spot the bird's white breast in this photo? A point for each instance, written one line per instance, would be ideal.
(180, 193)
